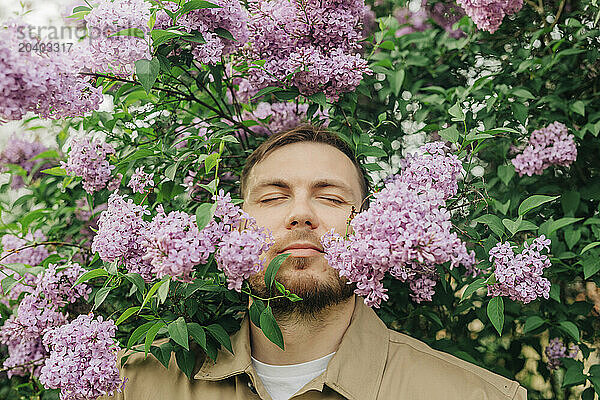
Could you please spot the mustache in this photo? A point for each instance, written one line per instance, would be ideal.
(295, 237)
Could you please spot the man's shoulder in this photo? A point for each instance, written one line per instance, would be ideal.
(441, 371)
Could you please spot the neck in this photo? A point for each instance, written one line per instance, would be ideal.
(300, 333)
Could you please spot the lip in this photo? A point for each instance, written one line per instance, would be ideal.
(301, 246)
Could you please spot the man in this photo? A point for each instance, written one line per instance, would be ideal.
(300, 184)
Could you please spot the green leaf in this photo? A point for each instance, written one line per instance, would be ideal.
(23, 269)
(493, 222)
(512, 226)
(162, 353)
(138, 333)
(221, 335)
(591, 265)
(449, 134)
(398, 81)
(163, 291)
(267, 90)
(371, 151)
(570, 329)
(147, 72)
(269, 326)
(578, 107)
(520, 112)
(561, 223)
(178, 332)
(56, 171)
(126, 314)
(137, 280)
(495, 312)
(186, 360)
(572, 236)
(95, 273)
(534, 201)
(211, 161)
(273, 268)
(101, 295)
(456, 112)
(523, 93)
(532, 323)
(135, 32)
(197, 333)
(204, 214)
(256, 309)
(160, 36)
(319, 98)
(588, 394)
(196, 5)
(574, 375)
(506, 173)
(555, 293)
(151, 334)
(153, 290)
(472, 288)
(589, 246)
(8, 283)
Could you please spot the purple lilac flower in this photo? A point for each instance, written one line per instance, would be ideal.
(173, 245)
(20, 152)
(34, 317)
(281, 116)
(46, 84)
(314, 42)
(116, 54)
(30, 353)
(548, 146)
(83, 359)
(411, 20)
(88, 159)
(118, 236)
(239, 253)
(209, 21)
(556, 350)
(431, 170)
(56, 284)
(520, 276)
(405, 231)
(140, 180)
(446, 14)
(488, 15)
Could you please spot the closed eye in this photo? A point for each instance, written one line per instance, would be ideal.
(334, 200)
(271, 199)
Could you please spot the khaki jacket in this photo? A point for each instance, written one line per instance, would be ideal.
(372, 363)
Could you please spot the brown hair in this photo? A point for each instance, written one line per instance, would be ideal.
(304, 133)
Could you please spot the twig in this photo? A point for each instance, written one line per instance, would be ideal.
(14, 251)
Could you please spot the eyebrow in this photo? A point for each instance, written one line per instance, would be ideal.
(319, 184)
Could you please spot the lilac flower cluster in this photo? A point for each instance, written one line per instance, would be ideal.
(239, 240)
(140, 180)
(488, 15)
(48, 85)
(520, 276)
(173, 245)
(104, 53)
(208, 22)
(56, 284)
(413, 19)
(432, 170)
(556, 350)
(118, 236)
(406, 231)
(20, 152)
(280, 117)
(314, 42)
(548, 146)
(24, 357)
(32, 256)
(82, 360)
(88, 159)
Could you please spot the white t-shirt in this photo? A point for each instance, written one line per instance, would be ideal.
(282, 381)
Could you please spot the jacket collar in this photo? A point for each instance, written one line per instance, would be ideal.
(355, 371)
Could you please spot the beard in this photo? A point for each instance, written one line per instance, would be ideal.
(318, 291)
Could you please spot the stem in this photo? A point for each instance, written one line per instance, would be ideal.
(557, 16)
(29, 363)
(13, 251)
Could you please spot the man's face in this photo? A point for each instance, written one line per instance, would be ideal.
(299, 192)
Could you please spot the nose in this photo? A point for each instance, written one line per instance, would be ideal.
(301, 215)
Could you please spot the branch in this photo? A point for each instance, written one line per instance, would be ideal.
(557, 16)
(14, 251)
(29, 363)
